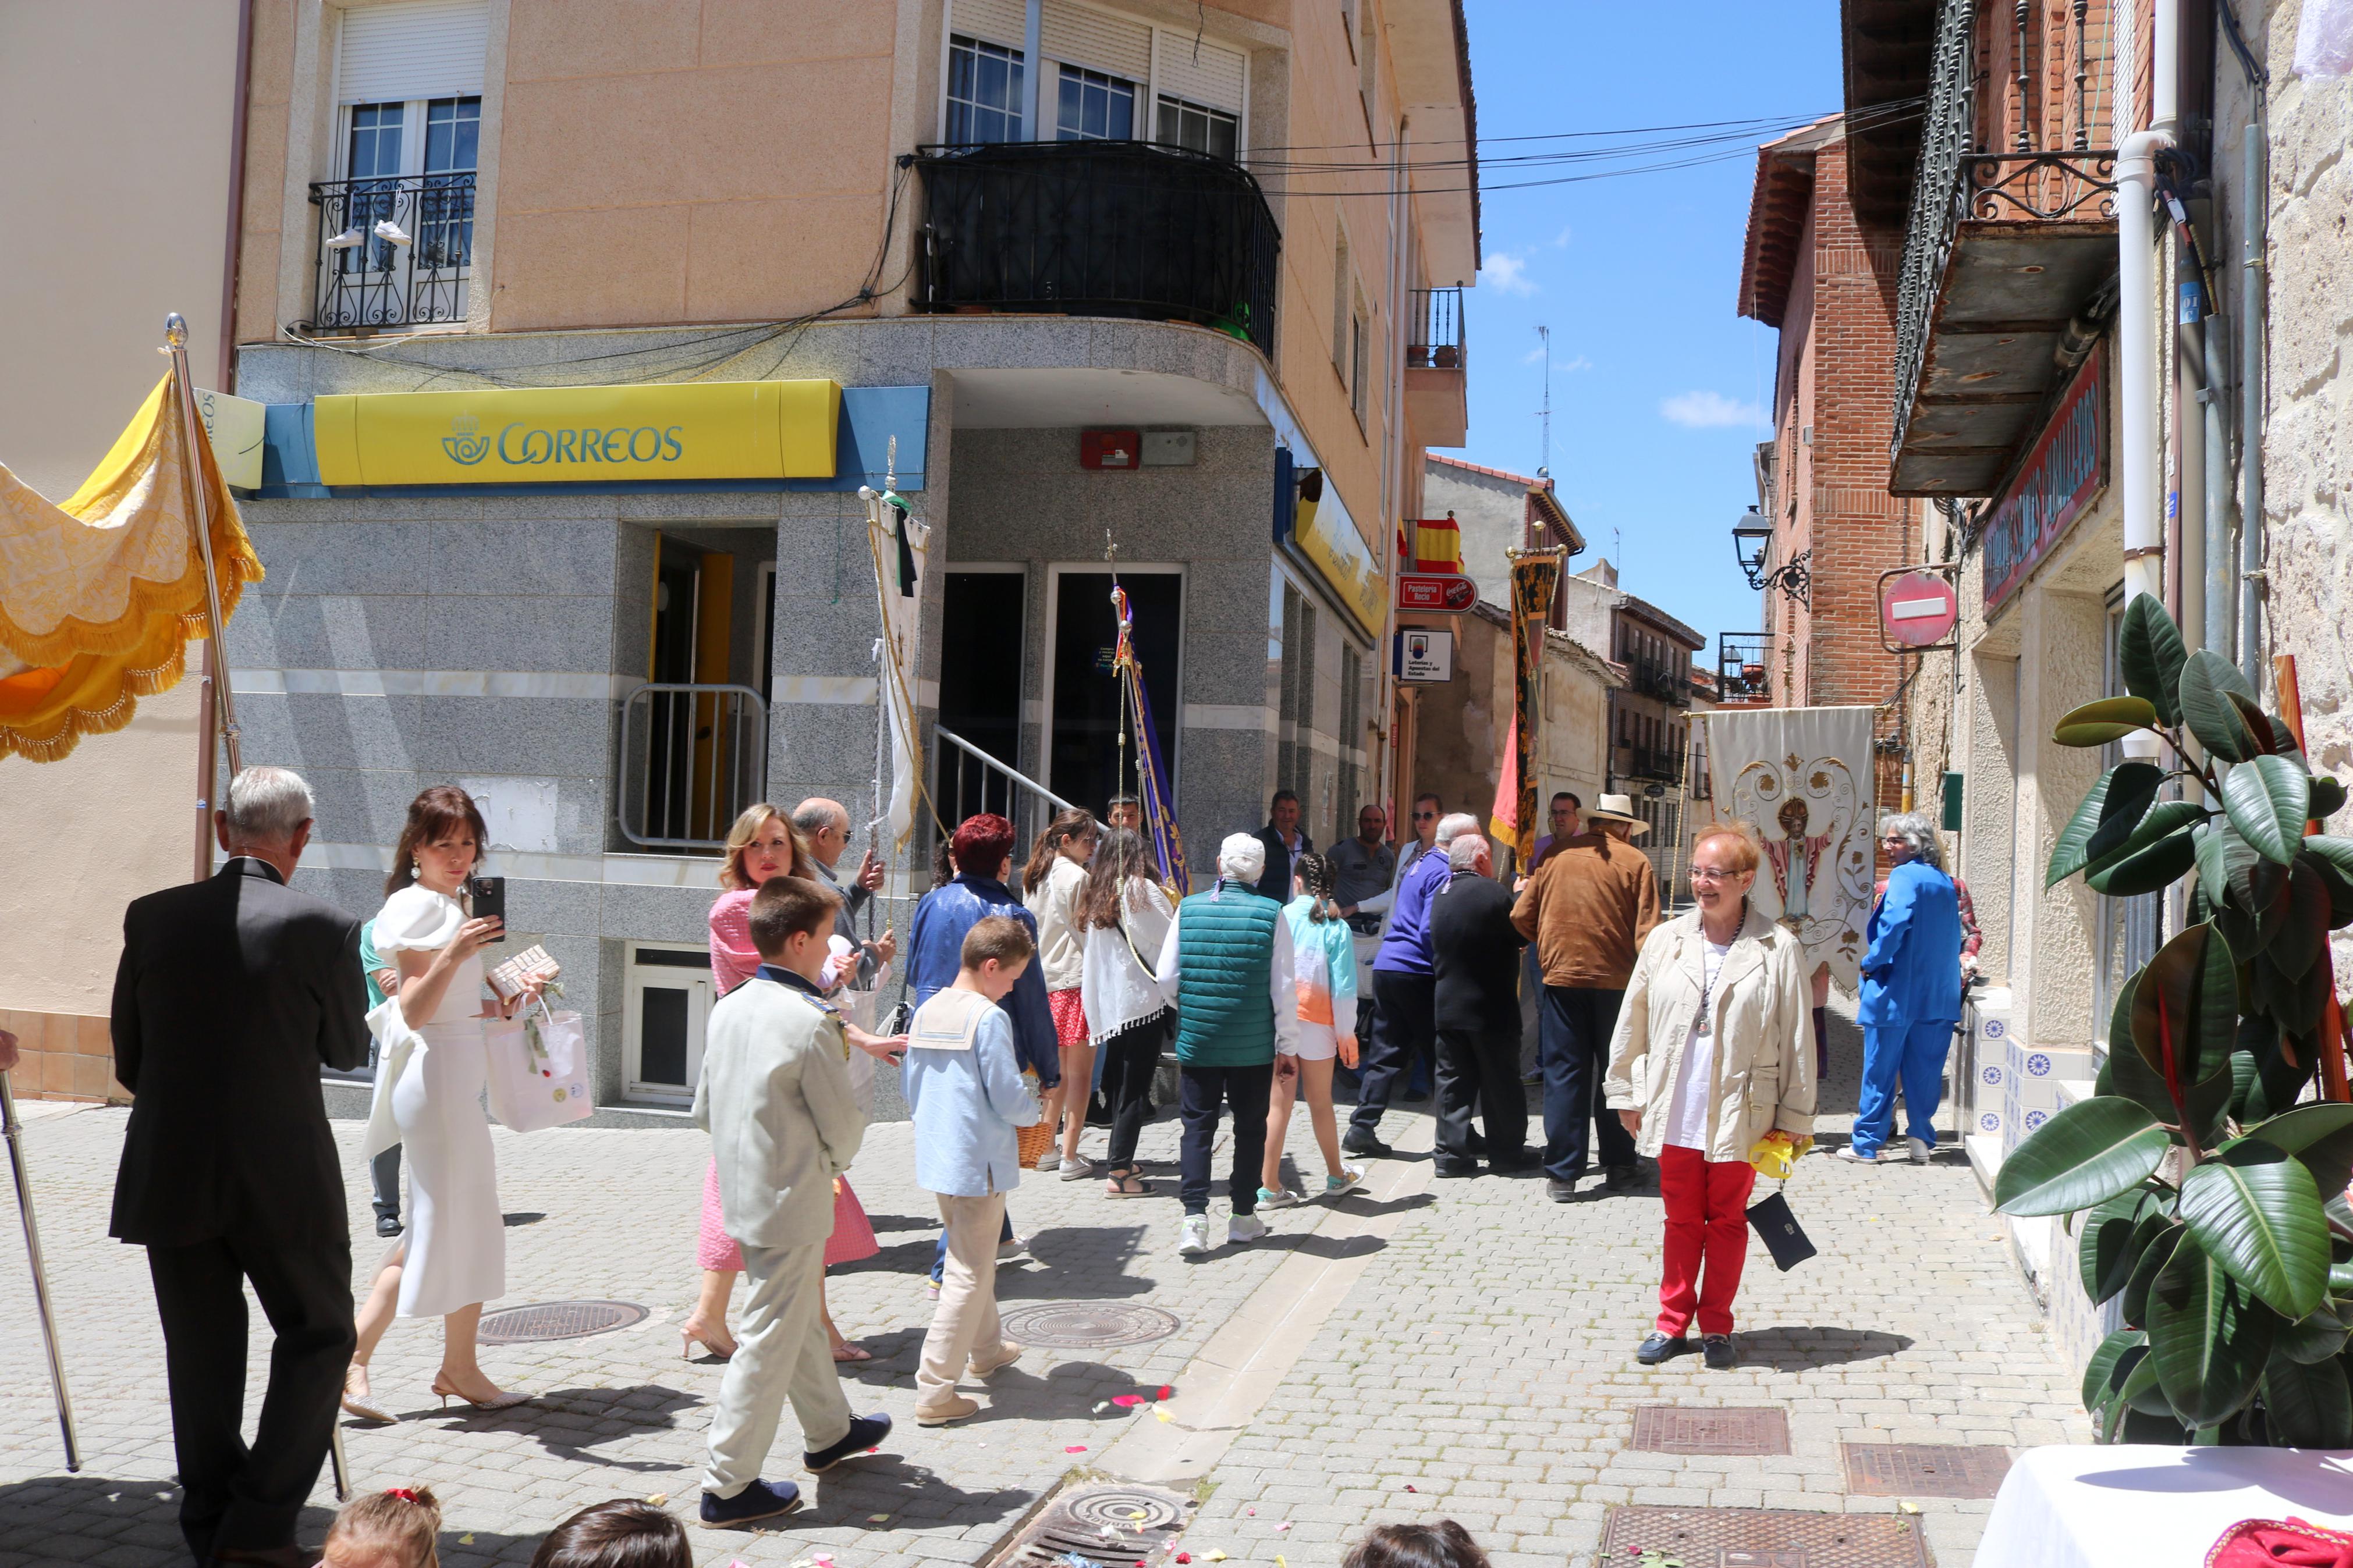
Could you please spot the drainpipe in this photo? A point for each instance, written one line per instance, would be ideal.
(1033, 26)
(234, 246)
(2217, 488)
(2137, 322)
(1392, 478)
(2250, 411)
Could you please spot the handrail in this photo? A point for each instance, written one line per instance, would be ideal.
(698, 753)
(1014, 774)
(1020, 793)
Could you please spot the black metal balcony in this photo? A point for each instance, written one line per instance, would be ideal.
(1664, 682)
(1099, 228)
(393, 252)
(1661, 765)
(1434, 330)
(1741, 672)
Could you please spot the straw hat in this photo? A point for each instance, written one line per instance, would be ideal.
(1617, 808)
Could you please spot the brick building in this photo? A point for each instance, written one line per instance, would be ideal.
(1824, 250)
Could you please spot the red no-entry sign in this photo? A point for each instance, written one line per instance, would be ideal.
(1917, 609)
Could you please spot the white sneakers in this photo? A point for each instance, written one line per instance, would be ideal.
(1918, 1148)
(1193, 1240)
(1849, 1153)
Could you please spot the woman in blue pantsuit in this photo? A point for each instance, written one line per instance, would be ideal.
(1911, 992)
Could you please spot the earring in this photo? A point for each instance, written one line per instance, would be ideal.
(414, 870)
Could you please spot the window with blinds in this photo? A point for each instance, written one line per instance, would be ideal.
(415, 49)
(1107, 77)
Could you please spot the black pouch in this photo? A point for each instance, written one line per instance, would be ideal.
(1783, 1237)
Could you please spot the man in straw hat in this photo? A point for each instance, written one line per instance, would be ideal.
(1587, 909)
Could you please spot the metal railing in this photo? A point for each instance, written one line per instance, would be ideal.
(1664, 682)
(693, 756)
(1662, 764)
(1939, 200)
(969, 781)
(1741, 666)
(1099, 228)
(393, 252)
(1434, 327)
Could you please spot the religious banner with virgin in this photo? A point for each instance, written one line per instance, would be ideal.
(1801, 778)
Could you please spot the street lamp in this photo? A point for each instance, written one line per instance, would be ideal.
(1752, 544)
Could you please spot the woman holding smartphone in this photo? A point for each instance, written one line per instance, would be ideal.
(453, 1257)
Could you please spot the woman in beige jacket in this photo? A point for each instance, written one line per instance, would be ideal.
(1714, 1052)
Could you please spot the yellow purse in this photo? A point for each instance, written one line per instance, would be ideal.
(1776, 1154)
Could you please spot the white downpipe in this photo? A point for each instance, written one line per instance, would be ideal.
(2136, 312)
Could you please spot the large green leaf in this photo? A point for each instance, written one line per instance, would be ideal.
(2304, 935)
(2308, 1406)
(2320, 1135)
(2209, 1336)
(2318, 1338)
(2087, 1153)
(2128, 1072)
(2138, 1386)
(2340, 886)
(2196, 981)
(2337, 852)
(2104, 1253)
(2267, 799)
(2209, 1101)
(2102, 1374)
(2109, 718)
(2208, 680)
(2153, 1260)
(2103, 822)
(2328, 796)
(2162, 864)
(2255, 1211)
(2151, 655)
(2295, 1004)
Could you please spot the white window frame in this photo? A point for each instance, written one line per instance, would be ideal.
(1147, 107)
(637, 980)
(1054, 570)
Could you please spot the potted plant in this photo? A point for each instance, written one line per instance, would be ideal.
(2209, 1200)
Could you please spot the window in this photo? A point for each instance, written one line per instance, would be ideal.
(1295, 699)
(1352, 740)
(412, 165)
(984, 91)
(1360, 342)
(1366, 52)
(1094, 107)
(665, 1002)
(1184, 123)
(1343, 286)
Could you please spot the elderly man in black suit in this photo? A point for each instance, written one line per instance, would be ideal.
(232, 994)
(1285, 842)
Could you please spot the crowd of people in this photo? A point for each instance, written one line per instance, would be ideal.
(1042, 1002)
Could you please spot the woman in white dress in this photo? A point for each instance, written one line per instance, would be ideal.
(453, 1257)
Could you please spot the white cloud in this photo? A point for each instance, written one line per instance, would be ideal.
(1507, 274)
(1579, 362)
(1560, 240)
(1534, 356)
(1709, 411)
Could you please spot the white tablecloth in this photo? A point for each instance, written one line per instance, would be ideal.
(2137, 1506)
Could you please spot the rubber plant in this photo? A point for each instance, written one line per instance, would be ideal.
(2210, 1199)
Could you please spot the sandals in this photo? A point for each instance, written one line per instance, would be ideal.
(1127, 1184)
(847, 1352)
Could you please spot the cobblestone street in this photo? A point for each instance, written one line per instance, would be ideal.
(1429, 1348)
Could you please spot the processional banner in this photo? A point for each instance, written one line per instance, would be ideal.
(1801, 778)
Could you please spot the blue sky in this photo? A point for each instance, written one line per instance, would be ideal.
(1658, 388)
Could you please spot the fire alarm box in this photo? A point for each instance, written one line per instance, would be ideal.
(1110, 449)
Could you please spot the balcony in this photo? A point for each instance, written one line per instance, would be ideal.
(1664, 682)
(392, 252)
(1099, 228)
(2010, 238)
(1741, 673)
(1659, 765)
(1437, 400)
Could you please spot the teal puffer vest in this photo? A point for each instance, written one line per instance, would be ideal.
(1225, 952)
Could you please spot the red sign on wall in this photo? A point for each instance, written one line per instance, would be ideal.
(2067, 468)
(1443, 592)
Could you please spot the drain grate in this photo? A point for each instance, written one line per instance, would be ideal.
(1924, 1469)
(1677, 1429)
(1108, 1522)
(1088, 1325)
(557, 1320)
(1764, 1538)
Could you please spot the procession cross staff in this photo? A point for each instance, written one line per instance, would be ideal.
(14, 1131)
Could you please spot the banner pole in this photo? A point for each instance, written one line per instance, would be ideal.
(175, 334)
(14, 1131)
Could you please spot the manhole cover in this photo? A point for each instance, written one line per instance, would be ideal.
(1676, 1429)
(556, 1320)
(1924, 1469)
(1088, 1325)
(1110, 1523)
(1765, 1538)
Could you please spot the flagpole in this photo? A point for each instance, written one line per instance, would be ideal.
(176, 335)
(14, 1131)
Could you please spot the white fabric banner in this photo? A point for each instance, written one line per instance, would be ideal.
(900, 576)
(1801, 777)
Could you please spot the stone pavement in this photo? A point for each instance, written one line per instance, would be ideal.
(1433, 1348)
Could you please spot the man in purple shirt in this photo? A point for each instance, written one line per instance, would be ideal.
(1405, 990)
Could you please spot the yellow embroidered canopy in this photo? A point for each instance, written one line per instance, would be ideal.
(99, 597)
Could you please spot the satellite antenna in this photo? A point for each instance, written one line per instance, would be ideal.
(1545, 412)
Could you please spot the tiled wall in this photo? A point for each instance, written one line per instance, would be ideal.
(63, 1056)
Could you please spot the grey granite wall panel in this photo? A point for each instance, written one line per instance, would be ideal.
(505, 557)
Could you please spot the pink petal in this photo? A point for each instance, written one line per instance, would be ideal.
(1076, 1448)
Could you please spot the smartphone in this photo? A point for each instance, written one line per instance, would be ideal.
(487, 896)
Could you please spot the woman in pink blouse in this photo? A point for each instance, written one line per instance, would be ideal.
(761, 845)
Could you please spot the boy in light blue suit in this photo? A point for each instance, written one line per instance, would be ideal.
(1911, 994)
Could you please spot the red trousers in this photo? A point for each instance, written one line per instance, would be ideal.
(1708, 1219)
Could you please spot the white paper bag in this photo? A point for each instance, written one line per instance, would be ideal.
(538, 1070)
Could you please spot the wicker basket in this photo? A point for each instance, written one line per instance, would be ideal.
(1032, 1142)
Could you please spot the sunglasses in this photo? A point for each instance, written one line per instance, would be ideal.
(1424, 815)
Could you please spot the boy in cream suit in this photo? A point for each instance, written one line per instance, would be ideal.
(966, 1090)
(776, 1100)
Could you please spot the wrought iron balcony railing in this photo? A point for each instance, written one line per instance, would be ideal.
(1946, 137)
(1664, 764)
(393, 252)
(1099, 228)
(692, 757)
(1741, 672)
(1434, 329)
(1663, 681)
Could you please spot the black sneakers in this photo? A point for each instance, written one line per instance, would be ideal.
(1717, 1352)
(865, 1432)
(1658, 1347)
(1560, 1191)
(761, 1500)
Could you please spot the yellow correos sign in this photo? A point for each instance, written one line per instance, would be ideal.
(574, 435)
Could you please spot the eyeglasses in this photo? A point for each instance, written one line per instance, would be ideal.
(1711, 874)
(1424, 815)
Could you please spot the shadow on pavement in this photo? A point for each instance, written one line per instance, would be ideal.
(910, 1496)
(136, 1524)
(569, 1423)
(1803, 1349)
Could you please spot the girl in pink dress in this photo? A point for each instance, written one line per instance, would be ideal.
(762, 844)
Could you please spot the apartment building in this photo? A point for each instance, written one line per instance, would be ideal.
(580, 326)
(1649, 744)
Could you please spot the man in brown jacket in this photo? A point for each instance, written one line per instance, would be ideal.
(1587, 909)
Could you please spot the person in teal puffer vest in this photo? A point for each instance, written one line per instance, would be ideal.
(1227, 967)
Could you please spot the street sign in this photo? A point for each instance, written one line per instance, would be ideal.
(235, 427)
(1446, 591)
(1422, 655)
(1918, 610)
